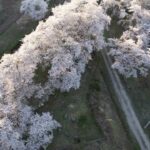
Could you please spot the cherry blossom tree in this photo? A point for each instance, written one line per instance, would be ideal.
(61, 47)
(131, 53)
(34, 8)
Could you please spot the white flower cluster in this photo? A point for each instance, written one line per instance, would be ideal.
(131, 52)
(130, 59)
(62, 46)
(34, 8)
(21, 129)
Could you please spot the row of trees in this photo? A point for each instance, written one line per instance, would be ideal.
(61, 46)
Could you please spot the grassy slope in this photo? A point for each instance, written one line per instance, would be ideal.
(88, 116)
(13, 26)
(7, 41)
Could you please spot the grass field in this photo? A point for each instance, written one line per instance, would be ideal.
(88, 116)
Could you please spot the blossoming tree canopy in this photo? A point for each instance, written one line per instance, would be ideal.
(131, 52)
(61, 47)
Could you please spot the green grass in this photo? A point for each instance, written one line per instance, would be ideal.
(41, 74)
(9, 40)
(78, 124)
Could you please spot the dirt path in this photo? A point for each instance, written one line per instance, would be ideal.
(126, 106)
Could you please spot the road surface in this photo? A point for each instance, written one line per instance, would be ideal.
(126, 106)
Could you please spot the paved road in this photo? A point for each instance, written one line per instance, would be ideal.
(126, 106)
